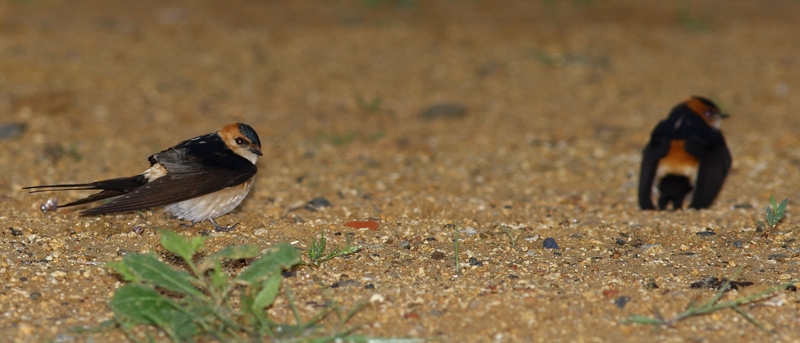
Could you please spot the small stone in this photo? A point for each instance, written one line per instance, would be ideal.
(622, 301)
(610, 293)
(11, 130)
(346, 283)
(469, 231)
(620, 241)
(706, 233)
(653, 248)
(376, 298)
(49, 205)
(370, 225)
(438, 255)
(444, 110)
(411, 315)
(550, 243)
(474, 262)
(777, 257)
(318, 204)
(369, 286)
(405, 244)
(35, 296)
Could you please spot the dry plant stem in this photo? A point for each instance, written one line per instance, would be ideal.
(711, 306)
(455, 248)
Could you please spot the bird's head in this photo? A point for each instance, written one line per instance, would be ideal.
(242, 139)
(707, 110)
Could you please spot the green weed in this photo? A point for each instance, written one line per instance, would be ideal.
(710, 306)
(691, 21)
(316, 251)
(201, 304)
(774, 214)
(372, 105)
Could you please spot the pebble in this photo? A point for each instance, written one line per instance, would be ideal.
(653, 248)
(405, 244)
(11, 130)
(622, 301)
(474, 262)
(444, 110)
(777, 257)
(318, 204)
(550, 243)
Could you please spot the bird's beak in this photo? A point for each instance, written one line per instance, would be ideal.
(724, 115)
(256, 150)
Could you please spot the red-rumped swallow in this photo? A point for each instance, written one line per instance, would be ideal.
(686, 158)
(199, 179)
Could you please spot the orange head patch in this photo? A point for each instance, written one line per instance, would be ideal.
(705, 109)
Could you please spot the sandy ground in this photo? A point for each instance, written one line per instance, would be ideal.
(543, 109)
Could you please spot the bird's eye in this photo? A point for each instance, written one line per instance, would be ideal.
(707, 114)
(239, 140)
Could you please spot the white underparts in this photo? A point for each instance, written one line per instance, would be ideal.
(212, 205)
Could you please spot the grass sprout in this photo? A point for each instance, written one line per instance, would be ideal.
(774, 214)
(317, 254)
(511, 237)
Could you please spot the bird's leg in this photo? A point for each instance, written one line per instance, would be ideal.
(219, 228)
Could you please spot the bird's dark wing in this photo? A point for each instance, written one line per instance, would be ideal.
(657, 148)
(189, 175)
(110, 188)
(653, 152)
(715, 162)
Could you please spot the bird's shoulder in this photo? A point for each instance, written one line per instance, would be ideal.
(206, 152)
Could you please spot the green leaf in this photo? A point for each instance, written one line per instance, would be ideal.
(121, 268)
(281, 256)
(180, 245)
(236, 252)
(782, 206)
(219, 279)
(772, 201)
(269, 290)
(142, 304)
(147, 268)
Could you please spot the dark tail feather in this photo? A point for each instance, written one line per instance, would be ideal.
(110, 188)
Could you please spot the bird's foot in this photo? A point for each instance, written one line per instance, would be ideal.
(219, 228)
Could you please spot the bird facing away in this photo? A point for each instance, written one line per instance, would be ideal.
(686, 158)
(199, 179)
